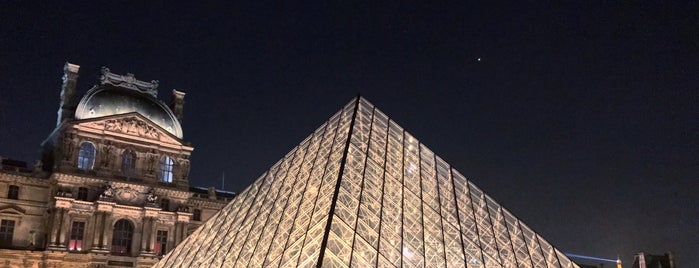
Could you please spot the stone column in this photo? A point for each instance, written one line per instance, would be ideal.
(65, 229)
(103, 222)
(153, 232)
(184, 231)
(107, 230)
(55, 222)
(181, 226)
(58, 228)
(97, 232)
(176, 235)
(103, 243)
(145, 237)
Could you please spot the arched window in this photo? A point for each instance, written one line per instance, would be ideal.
(86, 156)
(196, 216)
(128, 163)
(121, 238)
(166, 166)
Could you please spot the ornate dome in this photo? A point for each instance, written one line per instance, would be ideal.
(118, 94)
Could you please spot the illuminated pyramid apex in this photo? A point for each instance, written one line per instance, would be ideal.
(362, 192)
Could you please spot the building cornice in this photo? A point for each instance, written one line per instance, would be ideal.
(24, 179)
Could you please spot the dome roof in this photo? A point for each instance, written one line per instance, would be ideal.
(107, 99)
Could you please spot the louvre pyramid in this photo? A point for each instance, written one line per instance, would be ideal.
(362, 192)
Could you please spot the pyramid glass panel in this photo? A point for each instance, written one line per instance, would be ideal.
(360, 191)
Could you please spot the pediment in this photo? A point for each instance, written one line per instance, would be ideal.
(12, 209)
(131, 124)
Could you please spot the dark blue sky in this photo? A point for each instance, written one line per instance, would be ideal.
(581, 118)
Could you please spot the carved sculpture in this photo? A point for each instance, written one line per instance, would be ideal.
(131, 126)
(108, 192)
(128, 81)
(184, 168)
(152, 198)
(152, 159)
(68, 145)
(126, 194)
(107, 155)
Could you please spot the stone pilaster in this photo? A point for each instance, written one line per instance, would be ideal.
(153, 232)
(97, 230)
(55, 222)
(184, 231)
(146, 237)
(65, 229)
(150, 217)
(107, 231)
(181, 226)
(60, 223)
(101, 238)
(176, 235)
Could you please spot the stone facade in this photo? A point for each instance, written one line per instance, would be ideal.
(112, 187)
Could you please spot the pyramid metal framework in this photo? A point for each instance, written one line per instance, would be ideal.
(362, 192)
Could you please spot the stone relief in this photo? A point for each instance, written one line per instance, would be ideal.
(184, 168)
(81, 209)
(68, 147)
(108, 193)
(128, 81)
(166, 220)
(151, 198)
(151, 159)
(107, 154)
(134, 215)
(126, 194)
(131, 126)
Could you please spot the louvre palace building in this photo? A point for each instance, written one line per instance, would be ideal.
(112, 187)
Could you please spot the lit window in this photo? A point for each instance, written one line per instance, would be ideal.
(161, 243)
(13, 192)
(7, 229)
(121, 237)
(86, 156)
(82, 194)
(166, 166)
(196, 216)
(76, 236)
(128, 163)
(165, 204)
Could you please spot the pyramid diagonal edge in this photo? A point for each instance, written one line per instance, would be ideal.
(362, 192)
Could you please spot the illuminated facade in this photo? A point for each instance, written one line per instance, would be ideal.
(362, 192)
(112, 189)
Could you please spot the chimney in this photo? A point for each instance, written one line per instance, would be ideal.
(212, 193)
(66, 110)
(177, 104)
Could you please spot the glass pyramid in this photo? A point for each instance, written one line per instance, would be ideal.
(362, 192)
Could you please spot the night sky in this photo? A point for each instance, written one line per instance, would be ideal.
(581, 118)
